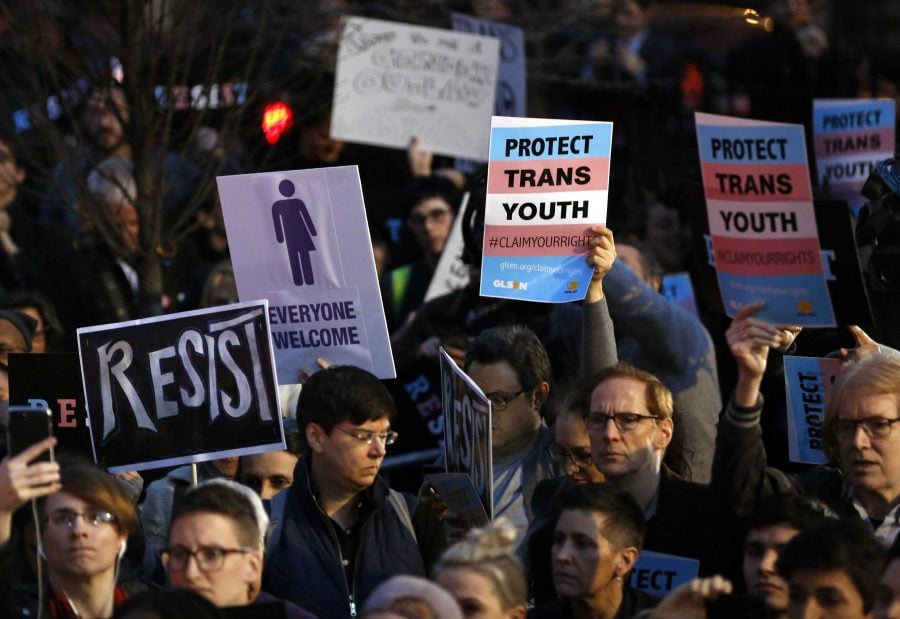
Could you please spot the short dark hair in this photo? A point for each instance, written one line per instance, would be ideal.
(624, 524)
(423, 187)
(224, 500)
(798, 511)
(846, 545)
(342, 393)
(658, 396)
(519, 346)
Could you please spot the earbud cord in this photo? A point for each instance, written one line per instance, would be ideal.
(112, 592)
(39, 561)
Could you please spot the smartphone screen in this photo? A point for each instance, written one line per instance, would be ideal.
(27, 426)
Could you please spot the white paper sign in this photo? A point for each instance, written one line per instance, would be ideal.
(300, 240)
(451, 272)
(395, 81)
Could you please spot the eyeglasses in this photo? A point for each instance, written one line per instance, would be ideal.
(580, 458)
(209, 558)
(500, 401)
(874, 427)
(368, 436)
(625, 422)
(435, 216)
(67, 517)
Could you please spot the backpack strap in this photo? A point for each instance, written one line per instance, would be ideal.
(278, 502)
(398, 502)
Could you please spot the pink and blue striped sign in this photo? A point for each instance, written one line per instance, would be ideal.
(851, 136)
(547, 186)
(761, 219)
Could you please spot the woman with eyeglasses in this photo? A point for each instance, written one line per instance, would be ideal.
(216, 546)
(83, 524)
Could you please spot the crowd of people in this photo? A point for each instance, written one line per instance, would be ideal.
(623, 426)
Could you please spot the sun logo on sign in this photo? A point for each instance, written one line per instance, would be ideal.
(572, 286)
(805, 308)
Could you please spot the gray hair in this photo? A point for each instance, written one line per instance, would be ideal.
(112, 181)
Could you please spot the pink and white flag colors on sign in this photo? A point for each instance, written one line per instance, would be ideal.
(761, 219)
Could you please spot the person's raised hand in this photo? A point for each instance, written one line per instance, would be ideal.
(688, 601)
(601, 255)
(21, 481)
(749, 339)
(420, 160)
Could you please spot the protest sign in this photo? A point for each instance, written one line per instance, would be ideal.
(394, 81)
(314, 265)
(181, 388)
(53, 380)
(761, 218)
(467, 430)
(460, 498)
(808, 381)
(657, 573)
(511, 93)
(851, 136)
(840, 258)
(678, 289)
(547, 185)
(451, 272)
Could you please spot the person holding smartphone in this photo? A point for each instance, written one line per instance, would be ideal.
(84, 519)
(22, 478)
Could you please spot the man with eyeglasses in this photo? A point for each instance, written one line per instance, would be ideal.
(629, 419)
(430, 202)
(511, 366)
(859, 435)
(341, 530)
(215, 546)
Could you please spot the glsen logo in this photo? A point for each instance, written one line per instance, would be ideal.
(572, 286)
(805, 308)
(510, 285)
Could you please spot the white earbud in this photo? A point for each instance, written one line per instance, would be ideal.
(40, 551)
(123, 548)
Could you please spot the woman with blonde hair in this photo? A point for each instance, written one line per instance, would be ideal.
(484, 574)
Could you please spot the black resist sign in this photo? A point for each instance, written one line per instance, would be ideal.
(165, 391)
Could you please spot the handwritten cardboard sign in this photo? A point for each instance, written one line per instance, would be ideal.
(511, 91)
(181, 388)
(467, 430)
(394, 81)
